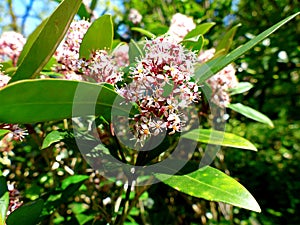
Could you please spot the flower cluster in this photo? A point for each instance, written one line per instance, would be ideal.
(11, 45)
(14, 199)
(16, 132)
(161, 87)
(134, 16)
(67, 54)
(220, 82)
(101, 67)
(4, 79)
(180, 26)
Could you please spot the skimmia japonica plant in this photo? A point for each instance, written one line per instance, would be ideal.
(136, 111)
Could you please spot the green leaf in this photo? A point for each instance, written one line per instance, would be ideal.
(225, 44)
(30, 41)
(213, 185)
(251, 113)
(219, 138)
(3, 132)
(135, 51)
(194, 43)
(144, 32)
(206, 70)
(4, 200)
(240, 88)
(28, 213)
(54, 99)
(99, 36)
(53, 137)
(45, 40)
(73, 180)
(200, 30)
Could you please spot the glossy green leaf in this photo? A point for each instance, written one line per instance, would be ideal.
(194, 43)
(53, 137)
(29, 213)
(45, 40)
(251, 113)
(73, 180)
(99, 36)
(225, 43)
(4, 200)
(213, 185)
(135, 51)
(240, 88)
(206, 70)
(144, 32)
(54, 99)
(219, 138)
(200, 30)
(3, 132)
(30, 41)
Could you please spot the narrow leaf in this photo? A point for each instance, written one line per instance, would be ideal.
(213, 185)
(200, 30)
(73, 180)
(134, 51)
(206, 70)
(144, 32)
(4, 200)
(194, 43)
(46, 40)
(99, 36)
(28, 213)
(54, 99)
(3, 132)
(251, 113)
(30, 41)
(219, 138)
(240, 88)
(53, 137)
(225, 43)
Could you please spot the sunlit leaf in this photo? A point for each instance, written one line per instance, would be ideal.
(144, 32)
(226, 41)
(135, 51)
(251, 113)
(213, 185)
(4, 200)
(53, 137)
(200, 30)
(31, 101)
(73, 180)
(240, 88)
(45, 40)
(99, 36)
(206, 70)
(219, 138)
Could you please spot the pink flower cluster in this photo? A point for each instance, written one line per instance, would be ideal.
(180, 26)
(161, 87)
(11, 45)
(101, 67)
(134, 16)
(14, 199)
(220, 82)
(67, 54)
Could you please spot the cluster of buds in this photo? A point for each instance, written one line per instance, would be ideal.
(180, 26)
(11, 45)
(134, 16)
(67, 54)
(101, 67)
(14, 199)
(17, 133)
(161, 86)
(221, 82)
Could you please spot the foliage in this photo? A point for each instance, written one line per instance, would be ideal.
(62, 179)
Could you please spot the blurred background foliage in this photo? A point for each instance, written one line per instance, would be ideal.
(271, 174)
